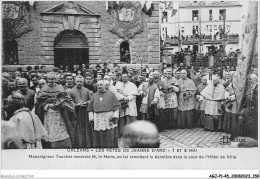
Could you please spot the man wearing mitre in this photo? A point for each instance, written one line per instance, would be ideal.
(104, 111)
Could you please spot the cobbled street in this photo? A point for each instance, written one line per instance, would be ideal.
(190, 138)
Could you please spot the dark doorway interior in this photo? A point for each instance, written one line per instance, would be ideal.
(68, 57)
(124, 52)
(10, 55)
(71, 49)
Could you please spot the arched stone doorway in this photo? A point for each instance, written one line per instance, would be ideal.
(69, 18)
(70, 49)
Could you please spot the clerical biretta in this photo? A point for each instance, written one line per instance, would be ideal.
(104, 110)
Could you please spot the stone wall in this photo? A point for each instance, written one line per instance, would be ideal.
(29, 44)
(144, 45)
(53, 25)
(36, 46)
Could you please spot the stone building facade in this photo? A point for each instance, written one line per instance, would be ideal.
(205, 19)
(85, 32)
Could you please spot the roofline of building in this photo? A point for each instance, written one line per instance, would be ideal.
(64, 13)
(88, 11)
(219, 42)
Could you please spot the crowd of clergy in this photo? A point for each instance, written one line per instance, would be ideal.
(90, 107)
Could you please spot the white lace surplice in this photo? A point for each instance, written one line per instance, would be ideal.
(128, 89)
(101, 120)
(55, 127)
(202, 105)
(211, 108)
(171, 100)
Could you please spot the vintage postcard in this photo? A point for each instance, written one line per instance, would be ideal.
(170, 87)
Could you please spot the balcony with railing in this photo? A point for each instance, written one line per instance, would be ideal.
(204, 39)
(171, 40)
(188, 4)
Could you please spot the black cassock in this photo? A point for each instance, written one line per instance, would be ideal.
(83, 126)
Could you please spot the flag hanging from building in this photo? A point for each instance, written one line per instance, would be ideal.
(144, 9)
(150, 10)
(244, 59)
(174, 12)
(147, 6)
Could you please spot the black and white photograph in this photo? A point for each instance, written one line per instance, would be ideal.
(129, 85)
(201, 53)
(71, 72)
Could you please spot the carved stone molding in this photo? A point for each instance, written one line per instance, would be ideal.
(128, 20)
(16, 19)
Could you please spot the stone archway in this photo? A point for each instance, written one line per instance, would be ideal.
(69, 16)
(70, 48)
